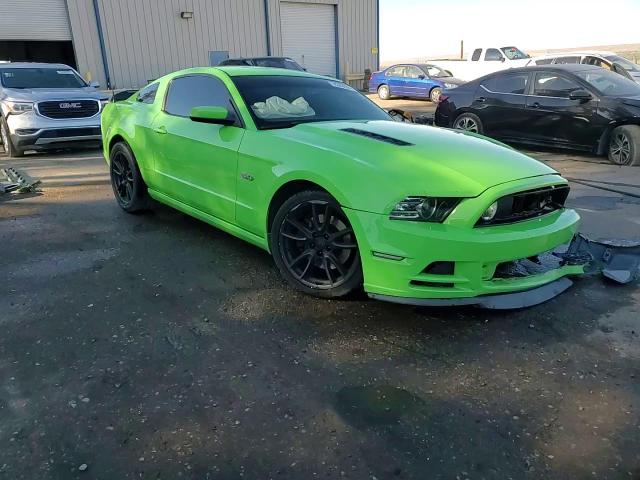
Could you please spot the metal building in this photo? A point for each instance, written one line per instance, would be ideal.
(126, 43)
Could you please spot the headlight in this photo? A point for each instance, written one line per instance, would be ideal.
(103, 103)
(450, 85)
(490, 212)
(424, 209)
(19, 107)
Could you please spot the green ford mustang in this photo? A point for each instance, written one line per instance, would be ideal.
(342, 197)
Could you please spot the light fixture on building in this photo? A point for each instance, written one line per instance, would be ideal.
(186, 14)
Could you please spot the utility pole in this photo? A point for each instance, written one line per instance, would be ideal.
(461, 49)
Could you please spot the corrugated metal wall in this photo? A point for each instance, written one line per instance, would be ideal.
(357, 34)
(34, 20)
(145, 39)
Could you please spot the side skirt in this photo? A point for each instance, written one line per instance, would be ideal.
(211, 220)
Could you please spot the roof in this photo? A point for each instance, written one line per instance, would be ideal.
(569, 67)
(249, 71)
(34, 65)
(257, 58)
(573, 54)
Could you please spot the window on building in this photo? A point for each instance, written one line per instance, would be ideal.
(195, 91)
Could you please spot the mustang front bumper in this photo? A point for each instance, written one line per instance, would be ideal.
(410, 262)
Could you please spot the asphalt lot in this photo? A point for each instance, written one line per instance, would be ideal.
(154, 346)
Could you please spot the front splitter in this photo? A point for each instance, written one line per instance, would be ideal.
(502, 301)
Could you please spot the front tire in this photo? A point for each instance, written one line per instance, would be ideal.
(314, 246)
(383, 92)
(624, 146)
(468, 122)
(9, 148)
(435, 94)
(128, 186)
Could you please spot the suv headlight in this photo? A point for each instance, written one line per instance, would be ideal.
(424, 209)
(450, 85)
(103, 103)
(19, 107)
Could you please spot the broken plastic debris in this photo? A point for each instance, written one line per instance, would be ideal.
(617, 260)
(17, 181)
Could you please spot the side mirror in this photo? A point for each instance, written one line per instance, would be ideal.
(502, 59)
(94, 84)
(421, 77)
(581, 95)
(215, 115)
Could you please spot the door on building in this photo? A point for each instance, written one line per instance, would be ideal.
(309, 35)
(36, 31)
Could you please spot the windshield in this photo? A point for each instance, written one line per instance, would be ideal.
(40, 78)
(283, 101)
(626, 64)
(512, 53)
(609, 83)
(434, 71)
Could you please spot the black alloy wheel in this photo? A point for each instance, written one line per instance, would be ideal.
(315, 247)
(624, 146)
(468, 122)
(128, 186)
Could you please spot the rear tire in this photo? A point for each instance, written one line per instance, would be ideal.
(128, 186)
(435, 93)
(314, 246)
(9, 148)
(468, 122)
(624, 146)
(383, 92)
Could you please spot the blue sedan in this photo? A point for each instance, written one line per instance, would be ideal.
(412, 80)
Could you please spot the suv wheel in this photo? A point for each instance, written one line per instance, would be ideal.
(314, 246)
(9, 148)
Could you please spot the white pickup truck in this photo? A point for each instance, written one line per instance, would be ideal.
(484, 61)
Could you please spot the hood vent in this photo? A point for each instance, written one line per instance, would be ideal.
(377, 136)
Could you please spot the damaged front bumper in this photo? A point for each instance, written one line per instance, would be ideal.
(616, 260)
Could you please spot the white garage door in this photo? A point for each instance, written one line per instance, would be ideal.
(309, 35)
(34, 20)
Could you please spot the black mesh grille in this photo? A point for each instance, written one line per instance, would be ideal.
(69, 108)
(526, 205)
(377, 136)
(70, 132)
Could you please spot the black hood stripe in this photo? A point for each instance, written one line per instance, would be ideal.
(377, 136)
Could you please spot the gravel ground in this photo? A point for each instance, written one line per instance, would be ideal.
(154, 346)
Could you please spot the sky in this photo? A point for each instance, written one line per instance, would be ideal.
(427, 28)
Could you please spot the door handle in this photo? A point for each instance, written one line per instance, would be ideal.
(162, 130)
(535, 105)
(481, 99)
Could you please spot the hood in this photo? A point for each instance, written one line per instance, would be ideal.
(42, 94)
(521, 62)
(415, 159)
(453, 80)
